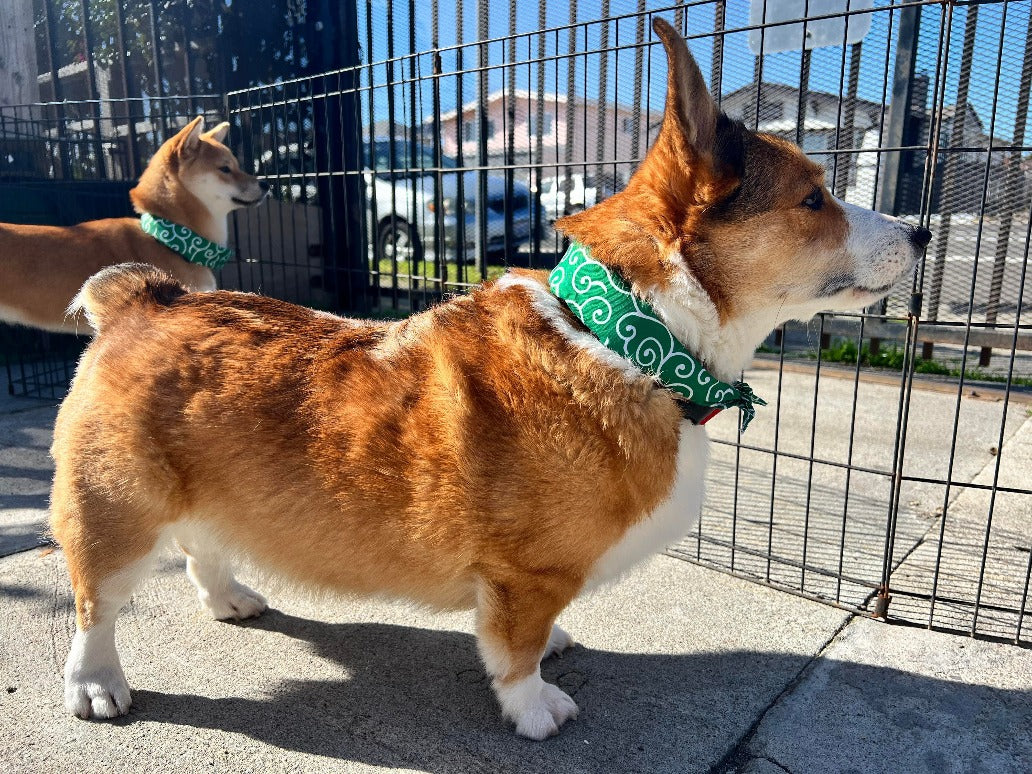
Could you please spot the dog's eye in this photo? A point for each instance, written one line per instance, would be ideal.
(225, 170)
(814, 201)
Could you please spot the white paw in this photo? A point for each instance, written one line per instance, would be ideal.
(235, 601)
(98, 695)
(95, 685)
(558, 641)
(538, 708)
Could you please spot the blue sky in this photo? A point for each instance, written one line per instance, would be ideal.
(998, 23)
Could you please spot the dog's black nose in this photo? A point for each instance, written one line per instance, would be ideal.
(265, 187)
(921, 237)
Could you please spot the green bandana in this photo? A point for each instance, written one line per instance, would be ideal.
(628, 326)
(189, 244)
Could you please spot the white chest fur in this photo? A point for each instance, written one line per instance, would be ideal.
(671, 520)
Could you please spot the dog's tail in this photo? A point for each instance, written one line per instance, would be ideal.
(113, 291)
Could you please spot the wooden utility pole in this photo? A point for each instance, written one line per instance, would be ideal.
(18, 71)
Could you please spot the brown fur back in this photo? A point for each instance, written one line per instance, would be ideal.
(187, 181)
(400, 458)
(43, 267)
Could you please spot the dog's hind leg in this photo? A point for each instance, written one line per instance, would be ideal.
(558, 641)
(107, 557)
(212, 573)
(515, 621)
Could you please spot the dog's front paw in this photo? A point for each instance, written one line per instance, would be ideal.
(234, 602)
(538, 708)
(103, 694)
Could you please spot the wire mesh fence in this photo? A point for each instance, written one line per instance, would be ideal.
(101, 139)
(445, 156)
(66, 163)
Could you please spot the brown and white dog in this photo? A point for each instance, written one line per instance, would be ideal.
(488, 453)
(193, 180)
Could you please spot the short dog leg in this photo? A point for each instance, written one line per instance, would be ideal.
(558, 641)
(95, 685)
(514, 622)
(220, 593)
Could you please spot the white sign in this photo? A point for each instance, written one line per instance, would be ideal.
(834, 31)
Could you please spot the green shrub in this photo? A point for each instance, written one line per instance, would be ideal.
(894, 357)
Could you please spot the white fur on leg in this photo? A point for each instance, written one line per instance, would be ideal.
(219, 592)
(538, 708)
(558, 641)
(211, 571)
(95, 685)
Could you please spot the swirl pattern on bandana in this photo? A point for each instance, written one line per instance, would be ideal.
(188, 243)
(628, 326)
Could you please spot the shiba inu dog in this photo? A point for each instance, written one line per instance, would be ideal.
(498, 452)
(193, 181)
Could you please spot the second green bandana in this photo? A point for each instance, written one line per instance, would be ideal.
(188, 243)
(629, 326)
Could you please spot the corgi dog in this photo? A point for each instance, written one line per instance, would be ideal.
(490, 453)
(193, 181)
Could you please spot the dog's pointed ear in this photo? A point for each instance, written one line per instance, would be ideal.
(218, 134)
(691, 113)
(189, 138)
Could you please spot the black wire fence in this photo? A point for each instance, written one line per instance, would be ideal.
(65, 163)
(453, 134)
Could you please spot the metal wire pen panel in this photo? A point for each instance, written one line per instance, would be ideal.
(904, 496)
(479, 126)
(109, 139)
(62, 164)
(435, 145)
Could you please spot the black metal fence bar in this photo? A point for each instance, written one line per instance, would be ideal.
(443, 156)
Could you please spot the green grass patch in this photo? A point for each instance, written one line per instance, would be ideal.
(425, 272)
(894, 358)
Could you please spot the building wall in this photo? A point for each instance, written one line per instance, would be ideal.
(619, 122)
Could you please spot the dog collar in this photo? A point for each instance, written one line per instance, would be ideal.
(188, 243)
(628, 325)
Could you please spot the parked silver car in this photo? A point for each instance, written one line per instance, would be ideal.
(401, 205)
(565, 195)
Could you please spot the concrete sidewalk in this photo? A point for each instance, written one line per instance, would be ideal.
(677, 669)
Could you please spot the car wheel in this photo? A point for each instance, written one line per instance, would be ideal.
(398, 240)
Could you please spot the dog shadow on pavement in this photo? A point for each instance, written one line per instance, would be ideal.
(419, 699)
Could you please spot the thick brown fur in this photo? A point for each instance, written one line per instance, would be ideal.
(486, 453)
(405, 458)
(416, 459)
(43, 267)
